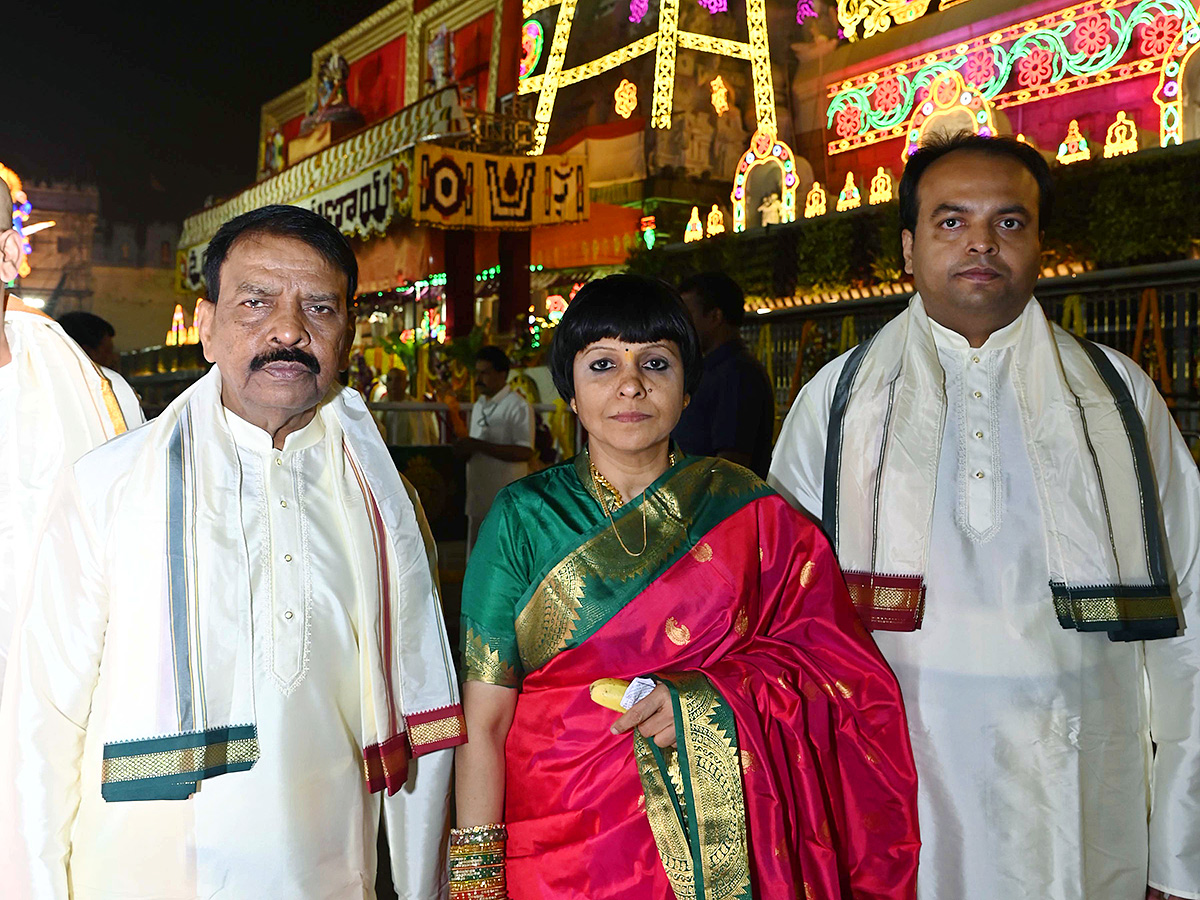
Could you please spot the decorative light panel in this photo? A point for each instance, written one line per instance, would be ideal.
(646, 226)
(1072, 49)
(1122, 137)
(625, 98)
(1074, 147)
(881, 187)
(694, 230)
(950, 97)
(876, 16)
(664, 42)
(715, 223)
(720, 95)
(532, 39)
(765, 149)
(850, 197)
(814, 203)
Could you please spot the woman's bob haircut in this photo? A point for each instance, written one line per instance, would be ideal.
(630, 308)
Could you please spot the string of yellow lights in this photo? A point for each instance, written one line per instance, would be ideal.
(760, 65)
(665, 41)
(706, 43)
(664, 63)
(554, 64)
(530, 7)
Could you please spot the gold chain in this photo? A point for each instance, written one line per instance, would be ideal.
(602, 485)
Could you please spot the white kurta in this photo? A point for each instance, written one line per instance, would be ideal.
(1032, 742)
(299, 824)
(51, 413)
(506, 418)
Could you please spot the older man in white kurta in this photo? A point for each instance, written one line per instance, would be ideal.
(244, 647)
(1058, 754)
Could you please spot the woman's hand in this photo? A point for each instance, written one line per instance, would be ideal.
(653, 717)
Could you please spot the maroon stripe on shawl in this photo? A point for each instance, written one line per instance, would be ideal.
(436, 729)
(887, 602)
(386, 765)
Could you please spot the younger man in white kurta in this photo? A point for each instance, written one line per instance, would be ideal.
(1053, 762)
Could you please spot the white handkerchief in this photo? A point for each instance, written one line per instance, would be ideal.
(637, 690)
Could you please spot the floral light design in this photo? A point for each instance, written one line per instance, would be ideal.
(625, 98)
(1092, 35)
(888, 94)
(1035, 69)
(1159, 34)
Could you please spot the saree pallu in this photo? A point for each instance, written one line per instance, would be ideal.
(793, 775)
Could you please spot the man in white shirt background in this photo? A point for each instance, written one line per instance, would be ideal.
(1018, 520)
(233, 645)
(500, 442)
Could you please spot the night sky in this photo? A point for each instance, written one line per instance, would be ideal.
(158, 104)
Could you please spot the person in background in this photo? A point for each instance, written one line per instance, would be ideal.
(732, 413)
(500, 441)
(233, 646)
(95, 335)
(1018, 519)
(54, 407)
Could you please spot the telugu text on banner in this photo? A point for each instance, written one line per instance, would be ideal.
(458, 189)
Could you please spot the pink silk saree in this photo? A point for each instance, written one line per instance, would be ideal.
(793, 775)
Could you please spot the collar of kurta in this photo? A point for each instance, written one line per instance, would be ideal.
(1102, 522)
(189, 714)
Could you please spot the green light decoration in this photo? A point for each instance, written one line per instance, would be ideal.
(1031, 59)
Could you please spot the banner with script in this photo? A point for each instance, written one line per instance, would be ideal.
(458, 189)
(359, 206)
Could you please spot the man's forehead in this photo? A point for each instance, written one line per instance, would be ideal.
(974, 178)
(273, 260)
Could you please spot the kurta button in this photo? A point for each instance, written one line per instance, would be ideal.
(283, 503)
(288, 614)
(287, 557)
(978, 434)
(978, 474)
(974, 359)
(278, 461)
(978, 394)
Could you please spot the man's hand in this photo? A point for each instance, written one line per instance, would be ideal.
(1156, 894)
(652, 716)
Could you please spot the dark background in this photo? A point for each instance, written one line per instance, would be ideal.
(157, 104)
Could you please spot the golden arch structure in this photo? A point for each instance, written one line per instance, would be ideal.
(664, 42)
(1169, 95)
(765, 149)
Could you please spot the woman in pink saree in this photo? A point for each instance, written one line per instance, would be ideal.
(771, 759)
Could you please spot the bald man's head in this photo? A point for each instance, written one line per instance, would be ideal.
(6, 205)
(10, 244)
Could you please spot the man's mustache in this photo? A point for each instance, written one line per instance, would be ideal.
(286, 354)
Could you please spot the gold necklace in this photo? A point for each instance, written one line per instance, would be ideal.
(602, 484)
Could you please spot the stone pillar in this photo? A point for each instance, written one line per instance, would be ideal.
(514, 279)
(459, 258)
